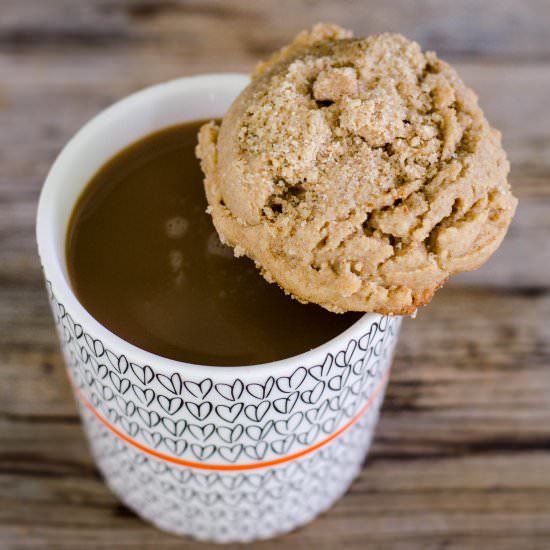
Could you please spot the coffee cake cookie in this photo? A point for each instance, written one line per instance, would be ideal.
(358, 174)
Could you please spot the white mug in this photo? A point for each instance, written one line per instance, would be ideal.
(224, 454)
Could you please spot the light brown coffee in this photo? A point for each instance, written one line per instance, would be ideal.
(144, 259)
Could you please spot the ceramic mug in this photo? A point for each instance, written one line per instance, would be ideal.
(223, 454)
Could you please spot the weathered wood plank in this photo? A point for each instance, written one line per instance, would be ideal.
(423, 503)
(210, 28)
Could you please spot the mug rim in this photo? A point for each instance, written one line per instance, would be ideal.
(61, 287)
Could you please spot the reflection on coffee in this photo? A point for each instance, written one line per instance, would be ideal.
(144, 259)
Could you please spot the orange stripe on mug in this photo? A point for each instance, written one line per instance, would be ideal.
(232, 467)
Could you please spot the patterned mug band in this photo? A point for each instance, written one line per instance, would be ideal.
(271, 421)
(232, 467)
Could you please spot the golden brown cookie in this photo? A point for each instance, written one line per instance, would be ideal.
(358, 174)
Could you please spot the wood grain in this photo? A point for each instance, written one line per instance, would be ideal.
(462, 454)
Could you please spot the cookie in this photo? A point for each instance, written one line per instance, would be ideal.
(359, 174)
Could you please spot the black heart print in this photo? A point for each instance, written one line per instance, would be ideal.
(201, 390)
(84, 355)
(338, 401)
(284, 427)
(256, 498)
(153, 438)
(175, 446)
(314, 415)
(171, 406)
(336, 383)
(355, 388)
(284, 405)
(307, 438)
(357, 368)
(209, 499)
(118, 363)
(106, 392)
(292, 382)
(256, 480)
(350, 409)
(144, 374)
(261, 391)
(320, 372)
(378, 348)
(145, 396)
(186, 494)
(181, 475)
(201, 432)
(258, 451)
(231, 392)
(281, 446)
(172, 383)
(259, 432)
(140, 459)
(200, 412)
(112, 415)
(312, 396)
(131, 428)
(230, 435)
(95, 346)
(151, 418)
(366, 340)
(276, 492)
(175, 428)
(257, 412)
(156, 467)
(126, 407)
(203, 452)
(229, 413)
(232, 482)
(343, 357)
(76, 329)
(207, 480)
(231, 454)
(100, 369)
(329, 425)
(122, 385)
(373, 368)
(232, 499)
(90, 380)
(166, 487)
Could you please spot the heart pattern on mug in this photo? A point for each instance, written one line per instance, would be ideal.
(200, 419)
(224, 506)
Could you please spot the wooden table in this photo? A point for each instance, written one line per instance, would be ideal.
(462, 454)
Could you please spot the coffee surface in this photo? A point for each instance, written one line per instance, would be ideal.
(145, 260)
